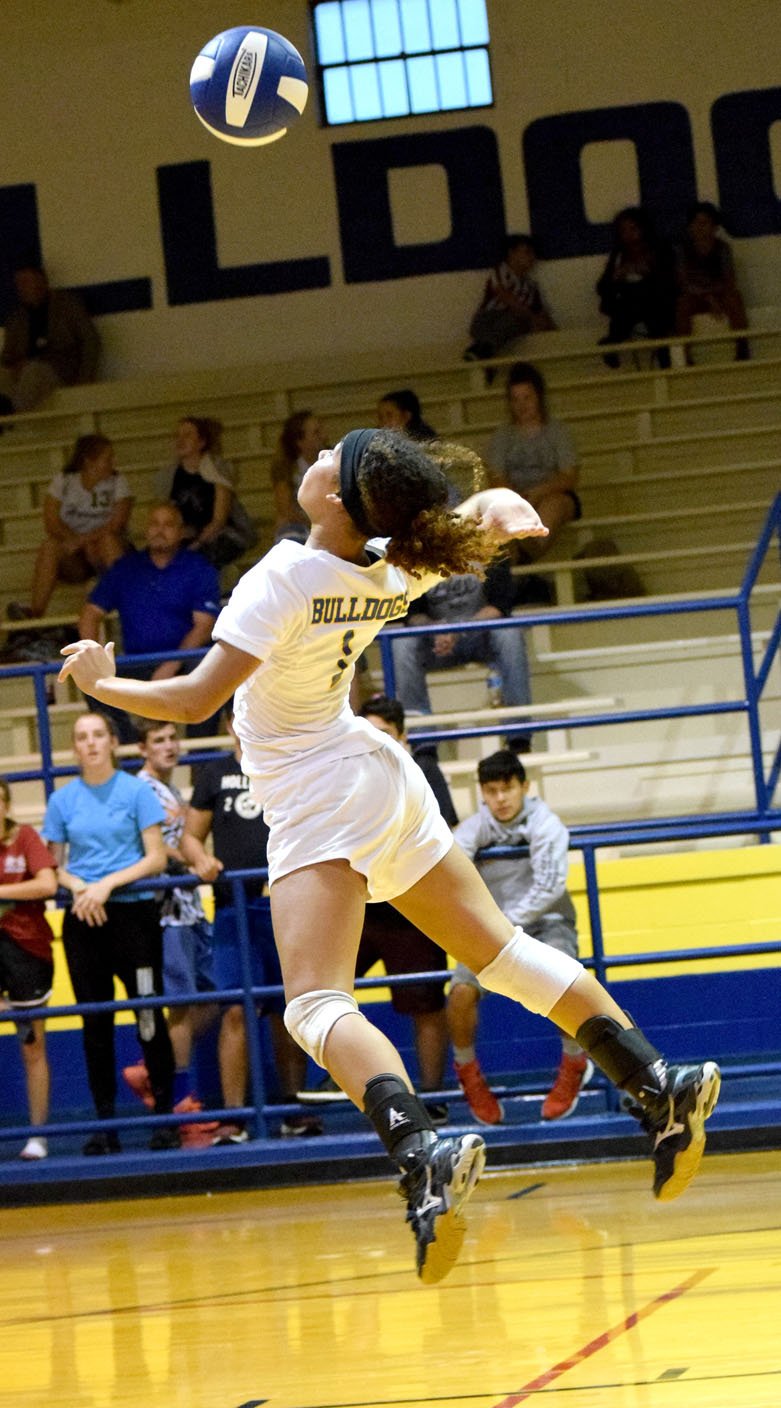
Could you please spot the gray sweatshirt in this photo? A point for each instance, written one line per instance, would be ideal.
(524, 887)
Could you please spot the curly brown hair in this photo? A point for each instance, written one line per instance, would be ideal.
(404, 489)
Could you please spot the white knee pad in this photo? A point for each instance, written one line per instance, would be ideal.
(310, 1017)
(531, 972)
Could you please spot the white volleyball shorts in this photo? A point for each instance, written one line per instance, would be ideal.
(375, 810)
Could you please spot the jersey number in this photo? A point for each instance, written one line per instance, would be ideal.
(343, 662)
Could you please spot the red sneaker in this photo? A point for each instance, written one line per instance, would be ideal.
(564, 1094)
(479, 1097)
(195, 1136)
(137, 1078)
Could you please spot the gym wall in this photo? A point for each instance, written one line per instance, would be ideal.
(379, 234)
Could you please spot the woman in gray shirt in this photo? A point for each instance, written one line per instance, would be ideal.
(536, 456)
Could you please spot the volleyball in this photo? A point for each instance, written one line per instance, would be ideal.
(248, 85)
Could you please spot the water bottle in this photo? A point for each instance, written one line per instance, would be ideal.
(494, 686)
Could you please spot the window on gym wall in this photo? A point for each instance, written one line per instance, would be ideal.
(395, 58)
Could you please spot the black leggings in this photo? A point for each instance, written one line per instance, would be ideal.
(129, 945)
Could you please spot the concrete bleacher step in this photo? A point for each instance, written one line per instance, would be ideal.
(668, 453)
(642, 388)
(685, 486)
(565, 355)
(661, 766)
(708, 566)
(613, 638)
(602, 427)
(710, 414)
(651, 768)
(267, 393)
(666, 528)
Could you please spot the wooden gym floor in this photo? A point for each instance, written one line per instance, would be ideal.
(575, 1290)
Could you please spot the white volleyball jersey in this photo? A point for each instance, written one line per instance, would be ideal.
(307, 616)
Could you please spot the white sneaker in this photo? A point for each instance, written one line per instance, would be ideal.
(35, 1149)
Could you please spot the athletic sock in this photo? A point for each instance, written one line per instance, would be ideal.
(401, 1121)
(464, 1055)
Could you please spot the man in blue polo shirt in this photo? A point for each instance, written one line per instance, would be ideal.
(167, 596)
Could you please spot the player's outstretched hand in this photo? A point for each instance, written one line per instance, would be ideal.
(87, 663)
(507, 515)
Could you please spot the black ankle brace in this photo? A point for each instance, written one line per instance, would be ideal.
(399, 1118)
(625, 1056)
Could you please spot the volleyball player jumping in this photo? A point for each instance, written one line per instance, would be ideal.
(352, 818)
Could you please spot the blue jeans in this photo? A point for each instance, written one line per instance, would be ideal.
(505, 650)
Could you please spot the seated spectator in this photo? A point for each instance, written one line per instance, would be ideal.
(531, 891)
(224, 807)
(511, 305)
(50, 341)
(536, 456)
(106, 824)
(187, 938)
(200, 483)
(400, 410)
(167, 599)
(300, 442)
(637, 286)
(463, 598)
(27, 878)
(85, 517)
(706, 277)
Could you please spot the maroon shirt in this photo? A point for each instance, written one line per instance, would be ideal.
(25, 920)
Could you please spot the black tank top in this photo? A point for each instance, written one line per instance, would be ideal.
(194, 497)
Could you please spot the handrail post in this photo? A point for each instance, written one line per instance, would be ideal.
(597, 937)
(752, 707)
(256, 1084)
(44, 730)
(388, 668)
(594, 912)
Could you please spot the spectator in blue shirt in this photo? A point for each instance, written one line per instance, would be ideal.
(167, 598)
(106, 825)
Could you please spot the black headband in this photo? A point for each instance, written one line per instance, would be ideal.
(354, 446)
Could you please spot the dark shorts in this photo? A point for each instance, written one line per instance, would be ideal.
(390, 938)
(25, 978)
(264, 961)
(187, 959)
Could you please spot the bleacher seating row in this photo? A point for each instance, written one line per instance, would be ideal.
(679, 467)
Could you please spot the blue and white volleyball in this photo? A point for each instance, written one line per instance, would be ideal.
(248, 85)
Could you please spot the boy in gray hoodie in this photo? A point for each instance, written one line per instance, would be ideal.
(532, 892)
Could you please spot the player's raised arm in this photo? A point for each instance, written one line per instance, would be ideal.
(184, 699)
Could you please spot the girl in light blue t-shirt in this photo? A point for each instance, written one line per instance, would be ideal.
(104, 830)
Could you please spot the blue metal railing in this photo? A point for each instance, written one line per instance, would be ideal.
(755, 679)
(256, 1111)
(761, 821)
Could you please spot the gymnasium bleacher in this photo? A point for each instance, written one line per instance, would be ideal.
(680, 467)
(655, 448)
